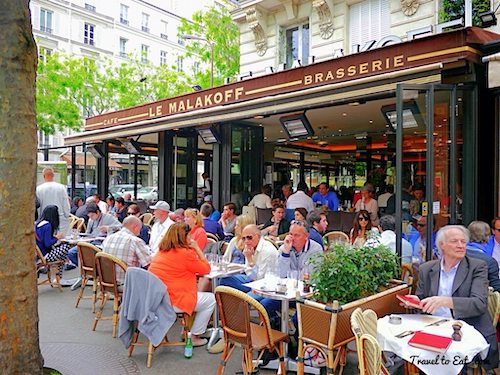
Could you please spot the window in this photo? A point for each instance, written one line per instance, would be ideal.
(369, 20)
(144, 53)
(88, 34)
(163, 57)
(44, 54)
(46, 20)
(180, 63)
(164, 33)
(123, 47)
(145, 22)
(196, 67)
(297, 44)
(124, 14)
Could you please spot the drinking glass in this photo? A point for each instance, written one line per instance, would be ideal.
(293, 279)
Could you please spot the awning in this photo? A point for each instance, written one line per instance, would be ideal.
(91, 162)
(493, 70)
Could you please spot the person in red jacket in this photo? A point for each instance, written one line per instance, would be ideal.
(178, 263)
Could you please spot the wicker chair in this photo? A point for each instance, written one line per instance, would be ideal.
(272, 241)
(48, 266)
(408, 276)
(335, 236)
(494, 305)
(234, 309)
(86, 260)
(147, 218)
(211, 236)
(106, 272)
(370, 356)
(364, 323)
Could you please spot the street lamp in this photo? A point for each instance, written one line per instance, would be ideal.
(211, 44)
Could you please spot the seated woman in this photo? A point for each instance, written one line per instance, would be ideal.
(178, 262)
(48, 238)
(361, 226)
(300, 214)
(234, 251)
(193, 218)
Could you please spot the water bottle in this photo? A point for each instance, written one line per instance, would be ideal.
(188, 349)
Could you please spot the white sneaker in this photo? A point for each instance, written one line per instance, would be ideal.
(77, 283)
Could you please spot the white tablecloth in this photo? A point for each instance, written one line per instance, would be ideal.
(449, 363)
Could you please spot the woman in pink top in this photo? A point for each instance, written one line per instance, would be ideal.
(193, 218)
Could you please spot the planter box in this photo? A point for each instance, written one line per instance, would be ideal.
(330, 328)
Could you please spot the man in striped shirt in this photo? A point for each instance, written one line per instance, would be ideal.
(126, 246)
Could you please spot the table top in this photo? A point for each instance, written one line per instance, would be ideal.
(232, 269)
(450, 363)
(74, 241)
(267, 288)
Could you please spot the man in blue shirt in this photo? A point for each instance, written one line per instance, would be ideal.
(325, 197)
(318, 223)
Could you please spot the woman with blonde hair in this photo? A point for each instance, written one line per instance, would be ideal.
(178, 262)
(234, 251)
(193, 218)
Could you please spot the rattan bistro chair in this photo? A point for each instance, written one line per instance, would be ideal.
(234, 309)
(335, 236)
(364, 323)
(41, 263)
(317, 324)
(147, 218)
(106, 272)
(86, 260)
(494, 305)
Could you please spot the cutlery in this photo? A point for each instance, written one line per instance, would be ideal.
(408, 333)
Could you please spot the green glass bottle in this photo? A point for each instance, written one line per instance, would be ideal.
(188, 349)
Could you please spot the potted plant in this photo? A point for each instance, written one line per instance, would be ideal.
(346, 274)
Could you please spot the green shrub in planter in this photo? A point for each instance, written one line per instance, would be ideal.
(346, 274)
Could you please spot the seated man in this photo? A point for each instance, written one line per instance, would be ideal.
(259, 254)
(277, 224)
(161, 224)
(318, 224)
(99, 226)
(387, 228)
(296, 254)
(456, 286)
(228, 221)
(325, 197)
(127, 246)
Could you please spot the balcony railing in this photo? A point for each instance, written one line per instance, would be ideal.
(164, 36)
(145, 29)
(124, 55)
(124, 21)
(88, 41)
(90, 7)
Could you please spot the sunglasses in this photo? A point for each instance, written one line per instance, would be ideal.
(421, 225)
(132, 213)
(247, 238)
(362, 218)
(299, 222)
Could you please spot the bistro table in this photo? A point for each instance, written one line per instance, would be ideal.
(217, 272)
(267, 288)
(451, 362)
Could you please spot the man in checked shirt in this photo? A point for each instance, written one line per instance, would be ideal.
(126, 246)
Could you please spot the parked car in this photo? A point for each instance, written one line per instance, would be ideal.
(120, 190)
(83, 191)
(148, 193)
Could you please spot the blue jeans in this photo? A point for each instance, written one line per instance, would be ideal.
(236, 282)
(73, 255)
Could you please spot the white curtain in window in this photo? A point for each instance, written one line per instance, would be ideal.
(369, 20)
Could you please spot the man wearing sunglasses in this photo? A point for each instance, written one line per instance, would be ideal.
(260, 255)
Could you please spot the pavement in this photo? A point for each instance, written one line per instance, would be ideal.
(69, 345)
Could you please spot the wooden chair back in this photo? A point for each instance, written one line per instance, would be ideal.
(407, 275)
(370, 356)
(213, 237)
(263, 215)
(147, 218)
(86, 262)
(494, 305)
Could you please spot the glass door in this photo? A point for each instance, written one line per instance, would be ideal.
(428, 164)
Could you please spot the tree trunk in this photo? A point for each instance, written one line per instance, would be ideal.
(19, 348)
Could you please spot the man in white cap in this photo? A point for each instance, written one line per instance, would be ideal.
(161, 225)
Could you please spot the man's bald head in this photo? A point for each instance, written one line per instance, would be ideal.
(133, 224)
(48, 174)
